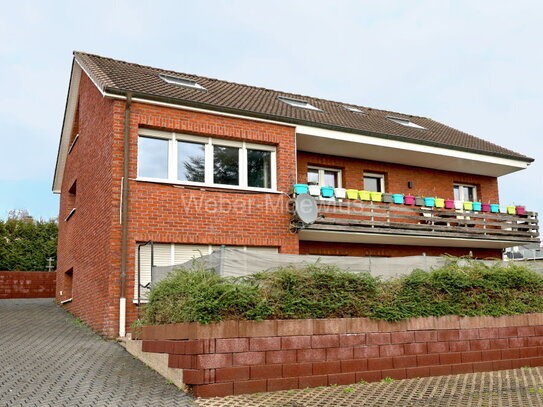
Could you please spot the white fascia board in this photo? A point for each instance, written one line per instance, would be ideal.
(508, 165)
(69, 116)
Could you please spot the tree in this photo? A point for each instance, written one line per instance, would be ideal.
(25, 243)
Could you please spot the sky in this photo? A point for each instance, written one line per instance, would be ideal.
(473, 65)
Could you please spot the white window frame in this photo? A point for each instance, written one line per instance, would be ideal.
(374, 175)
(461, 186)
(302, 104)
(179, 81)
(321, 174)
(209, 142)
(405, 122)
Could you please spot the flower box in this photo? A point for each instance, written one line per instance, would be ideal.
(387, 198)
(458, 204)
(521, 210)
(409, 200)
(449, 204)
(352, 193)
(340, 192)
(327, 192)
(468, 205)
(485, 207)
(314, 190)
(477, 206)
(419, 201)
(503, 209)
(440, 203)
(511, 210)
(364, 195)
(430, 202)
(399, 198)
(494, 208)
(376, 196)
(300, 189)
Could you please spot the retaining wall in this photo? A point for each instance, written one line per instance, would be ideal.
(27, 284)
(235, 357)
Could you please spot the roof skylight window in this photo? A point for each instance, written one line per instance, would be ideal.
(405, 122)
(176, 80)
(353, 109)
(298, 103)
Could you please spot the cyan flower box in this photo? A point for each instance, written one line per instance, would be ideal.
(477, 206)
(430, 202)
(494, 208)
(300, 189)
(398, 198)
(327, 192)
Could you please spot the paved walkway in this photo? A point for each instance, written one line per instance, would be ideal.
(47, 358)
(506, 388)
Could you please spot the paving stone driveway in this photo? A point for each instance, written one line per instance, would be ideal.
(48, 359)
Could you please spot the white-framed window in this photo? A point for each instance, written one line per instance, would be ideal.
(298, 103)
(171, 254)
(465, 192)
(374, 182)
(206, 161)
(177, 80)
(405, 122)
(324, 177)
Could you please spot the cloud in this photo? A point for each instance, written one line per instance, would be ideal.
(475, 66)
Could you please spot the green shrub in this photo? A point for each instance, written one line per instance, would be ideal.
(323, 291)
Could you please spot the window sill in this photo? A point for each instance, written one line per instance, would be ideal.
(196, 185)
(69, 215)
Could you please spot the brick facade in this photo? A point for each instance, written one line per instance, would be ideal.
(426, 181)
(89, 253)
(249, 357)
(27, 284)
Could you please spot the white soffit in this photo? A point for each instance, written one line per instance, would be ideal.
(339, 143)
(401, 240)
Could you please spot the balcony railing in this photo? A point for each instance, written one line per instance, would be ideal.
(382, 218)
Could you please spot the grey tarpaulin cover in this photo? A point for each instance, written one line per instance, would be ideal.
(237, 263)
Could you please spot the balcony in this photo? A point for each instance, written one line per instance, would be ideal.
(381, 223)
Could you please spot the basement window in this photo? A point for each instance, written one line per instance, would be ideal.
(177, 80)
(298, 103)
(353, 109)
(404, 122)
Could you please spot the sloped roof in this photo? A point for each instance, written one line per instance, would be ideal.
(115, 76)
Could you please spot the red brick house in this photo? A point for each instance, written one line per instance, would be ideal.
(193, 163)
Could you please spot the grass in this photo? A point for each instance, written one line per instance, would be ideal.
(323, 291)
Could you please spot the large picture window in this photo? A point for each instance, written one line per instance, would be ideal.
(152, 158)
(187, 159)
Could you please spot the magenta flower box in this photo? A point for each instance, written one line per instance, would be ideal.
(521, 210)
(449, 204)
(409, 200)
(485, 207)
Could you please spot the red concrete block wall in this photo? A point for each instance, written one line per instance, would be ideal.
(27, 284)
(426, 181)
(250, 357)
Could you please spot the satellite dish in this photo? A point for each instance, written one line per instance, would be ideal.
(305, 208)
